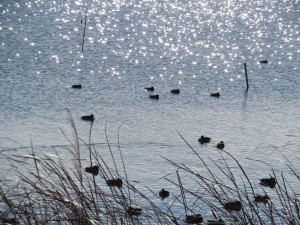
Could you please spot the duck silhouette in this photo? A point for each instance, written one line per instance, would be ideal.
(221, 145)
(263, 61)
(269, 182)
(233, 206)
(88, 118)
(149, 88)
(204, 140)
(77, 86)
(262, 198)
(217, 94)
(175, 91)
(164, 194)
(134, 211)
(93, 170)
(193, 219)
(115, 182)
(154, 96)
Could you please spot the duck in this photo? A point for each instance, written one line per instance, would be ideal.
(263, 61)
(193, 219)
(203, 139)
(134, 211)
(221, 145)
(93, 170)
(115, 182)
(78, 86)
(233, 206)
(175, 91)
(269, 182)
(149, 88)
(164, 194)
(88, 118)
(154, 96)
(216, 94)
(262, 198)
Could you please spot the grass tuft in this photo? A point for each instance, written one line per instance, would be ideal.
(51, 189)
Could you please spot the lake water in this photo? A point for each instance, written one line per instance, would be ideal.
(197, 46)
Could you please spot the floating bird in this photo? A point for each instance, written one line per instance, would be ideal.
(78, 86)
(217, 94)
(134, 211)
(115, 182)
(269, 182)
(221, 145)
(163, 194)
(263, 61)
(262, 198)
(151, 88)
(154, 96)
(193, 219)
(175, 91)
(93, 170)
(233, 206)
(88, 117)
(203, 139)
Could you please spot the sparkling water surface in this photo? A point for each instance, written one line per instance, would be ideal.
(199, 47)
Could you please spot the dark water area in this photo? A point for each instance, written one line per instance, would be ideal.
(199, 47)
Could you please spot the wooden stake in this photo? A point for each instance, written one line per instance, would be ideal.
(84, 30)
(245, 66)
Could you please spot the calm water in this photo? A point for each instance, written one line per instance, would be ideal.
(197, 46)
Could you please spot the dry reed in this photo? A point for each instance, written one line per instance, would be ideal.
(51, 190)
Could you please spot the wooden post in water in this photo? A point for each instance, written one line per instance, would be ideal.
(84, 30)
(245, 66)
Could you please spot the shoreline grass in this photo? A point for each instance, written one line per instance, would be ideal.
(53, 190)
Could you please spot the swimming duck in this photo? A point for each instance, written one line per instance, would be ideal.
(78, 86)
(88, 117)
(269, 182)
(115, 182)
(93, 170)
(175, 91)
(263, 61)
(221, 145)
(203, 139)
(163, 194)
(193, 219)
(233, 206)
(217, 94)
(134, 211)
(262, 198)
(154, 96)
(150, 88)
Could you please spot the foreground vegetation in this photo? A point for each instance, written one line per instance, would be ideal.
(51, 190)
